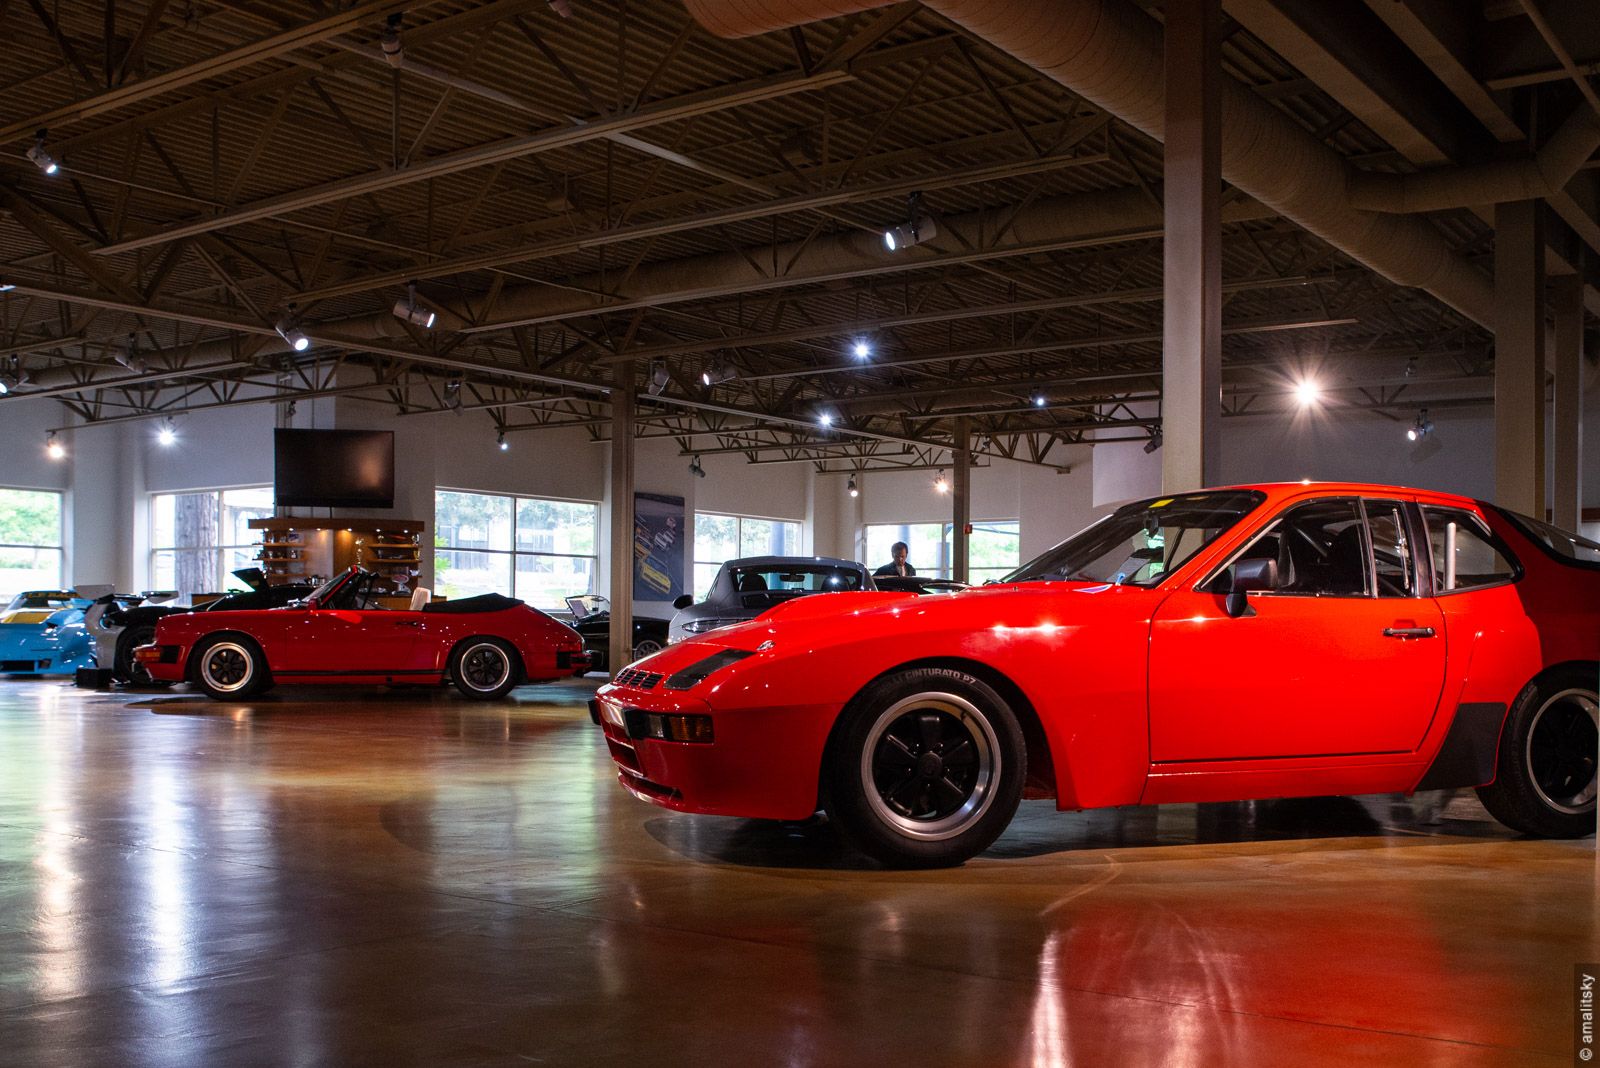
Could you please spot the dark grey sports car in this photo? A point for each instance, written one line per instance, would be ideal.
(745, 588)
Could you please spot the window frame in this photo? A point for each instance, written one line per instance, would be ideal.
(224, 574)
(738, 538)
(1519, 523)
(1494, 541)
(60, 548)
(514, 553)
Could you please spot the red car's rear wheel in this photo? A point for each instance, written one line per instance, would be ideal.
(927, 768)
(485, 669)
(1545, 780)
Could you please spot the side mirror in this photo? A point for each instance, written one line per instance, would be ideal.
(683, 601)
(1248, 576)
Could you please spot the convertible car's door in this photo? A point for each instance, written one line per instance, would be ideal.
(334, 641)
(1344, 659)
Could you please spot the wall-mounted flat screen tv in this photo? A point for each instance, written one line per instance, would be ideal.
(334, 468)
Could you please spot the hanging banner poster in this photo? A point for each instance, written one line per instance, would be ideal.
(658, 547)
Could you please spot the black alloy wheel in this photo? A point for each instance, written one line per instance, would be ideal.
(484, 669)
(925, 768)
(125, 668)
(229, 667)
(1545, 776)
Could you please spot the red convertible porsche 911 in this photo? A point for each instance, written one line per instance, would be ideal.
(1250, 642)
(485, 645)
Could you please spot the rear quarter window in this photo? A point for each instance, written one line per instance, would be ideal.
(1572, 549)
(1466, 555)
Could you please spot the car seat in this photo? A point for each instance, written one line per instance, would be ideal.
(420, 598)
(752, 583)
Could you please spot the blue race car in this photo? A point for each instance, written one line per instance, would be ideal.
(42, 633)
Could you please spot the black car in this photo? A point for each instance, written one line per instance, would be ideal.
(131, 627)
(591, 618)
(917, 584)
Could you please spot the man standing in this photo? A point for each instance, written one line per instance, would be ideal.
(899, 550)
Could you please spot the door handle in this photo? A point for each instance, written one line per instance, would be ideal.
(1408, 632)
(408, 622)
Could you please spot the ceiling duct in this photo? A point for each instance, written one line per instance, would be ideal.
(1111, 53)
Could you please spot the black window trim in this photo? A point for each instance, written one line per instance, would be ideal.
(1410, 526)
(1495, 541)
(1517, 523)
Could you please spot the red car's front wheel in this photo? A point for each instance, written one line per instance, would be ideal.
(927, 768)
(229, 668)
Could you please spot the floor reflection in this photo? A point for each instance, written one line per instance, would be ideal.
(407, 878)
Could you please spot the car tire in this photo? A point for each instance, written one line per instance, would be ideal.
(648, 647)
(485, 669)
(889, 788)
(124, 667)
(1545, 773)
(229, 667)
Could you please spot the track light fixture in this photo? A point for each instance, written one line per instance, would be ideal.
(940, 483)
(1421, 428)
(855, 491)
(408, 310)
(53, 447)
(659, 377)
(561, 7)
(695, 469)
(452, 393)
(167, 434)
(718, 373)
(289, 411)
(862, 349)
(500, 441)
(918, 227)
(394, 50)
(41, 157)
(1155, 440)
(1307, 392)
(12, 375)
(1039, 399)
(824, 418)
(288, 328)
(129, 357)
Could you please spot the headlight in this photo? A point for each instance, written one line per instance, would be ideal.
(697, 672)
(700, 626)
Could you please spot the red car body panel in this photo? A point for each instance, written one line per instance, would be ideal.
(1142, 695)
(368, 646)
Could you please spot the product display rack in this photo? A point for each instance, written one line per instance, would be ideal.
(308, 549)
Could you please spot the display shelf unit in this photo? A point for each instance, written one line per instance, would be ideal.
(307, 549)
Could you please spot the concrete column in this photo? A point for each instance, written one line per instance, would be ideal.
(1567, 501)
(622, 403)
(1191, 405)
(1519, 387)
(961, 502)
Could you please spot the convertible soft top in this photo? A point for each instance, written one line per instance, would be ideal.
(484, 602)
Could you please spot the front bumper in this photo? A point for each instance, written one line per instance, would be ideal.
(762, 763)
(164, 663)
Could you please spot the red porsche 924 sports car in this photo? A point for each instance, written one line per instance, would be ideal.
(485, 645)
(1251, 642)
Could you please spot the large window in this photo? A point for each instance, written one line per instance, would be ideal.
(993, 549)
(30, 541)
(541, 551)
(197, 540)
(729, 537)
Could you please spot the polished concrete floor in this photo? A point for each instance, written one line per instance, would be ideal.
(366, 877)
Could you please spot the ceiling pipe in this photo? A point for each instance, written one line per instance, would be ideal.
(1110, 53)
(1499, 182)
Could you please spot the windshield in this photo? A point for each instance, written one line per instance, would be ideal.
(793, 579)
(320, 594)
(1141, 543)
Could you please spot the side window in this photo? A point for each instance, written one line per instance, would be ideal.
(1395, 564)
(1463, 556)
(1322, 550)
